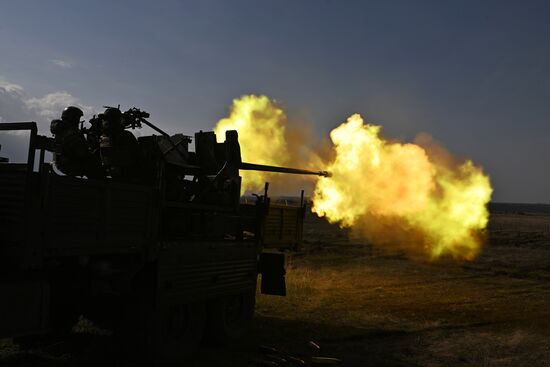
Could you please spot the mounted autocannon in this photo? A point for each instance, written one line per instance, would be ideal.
(295, 171)
(107, 149)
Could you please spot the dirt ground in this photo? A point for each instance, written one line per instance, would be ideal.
(370, 308)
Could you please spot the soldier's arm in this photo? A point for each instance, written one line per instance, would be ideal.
(75, 145)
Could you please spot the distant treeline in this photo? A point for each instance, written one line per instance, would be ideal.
(519, 208)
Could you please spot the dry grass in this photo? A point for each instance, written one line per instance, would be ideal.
(483, 348)
(517, 222)
(392, 311)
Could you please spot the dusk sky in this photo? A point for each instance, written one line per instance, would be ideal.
(473, 74)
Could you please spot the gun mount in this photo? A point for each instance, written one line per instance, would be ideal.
(134, 117)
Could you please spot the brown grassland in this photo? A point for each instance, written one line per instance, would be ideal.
(370, 308)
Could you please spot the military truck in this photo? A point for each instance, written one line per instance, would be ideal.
(163, 262)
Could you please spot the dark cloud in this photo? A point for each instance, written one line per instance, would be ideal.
(17, 105)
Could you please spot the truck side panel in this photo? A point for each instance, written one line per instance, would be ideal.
(93, 217)
(13, 178)
(283, 227)
(195, 271)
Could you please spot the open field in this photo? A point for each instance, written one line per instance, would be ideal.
(375, 309)
(371, 308)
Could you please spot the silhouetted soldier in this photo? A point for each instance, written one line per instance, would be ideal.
(119, 148)
(71, 154)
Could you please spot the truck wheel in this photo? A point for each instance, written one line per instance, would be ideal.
(134, 333)
(180, 332)
(169, 336)
(230, 317)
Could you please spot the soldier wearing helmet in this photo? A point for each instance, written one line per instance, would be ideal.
(71, 153)
(119, 148)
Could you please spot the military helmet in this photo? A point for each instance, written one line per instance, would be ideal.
(72, 114)
(112, 114)
(112, 119)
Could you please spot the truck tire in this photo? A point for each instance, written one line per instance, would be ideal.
(180, 332)
(168, 336)
(134, 331)
(230, 317)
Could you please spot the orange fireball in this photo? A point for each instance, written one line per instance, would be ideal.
(397, 195)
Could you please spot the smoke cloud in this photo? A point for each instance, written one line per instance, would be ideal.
(267, 136)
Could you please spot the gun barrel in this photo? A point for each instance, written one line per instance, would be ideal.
(295, 171)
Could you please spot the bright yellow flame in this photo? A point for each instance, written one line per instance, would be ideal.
(260, 123)
(397, 194)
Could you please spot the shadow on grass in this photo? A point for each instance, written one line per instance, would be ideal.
(354, 346)
(477, 344)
